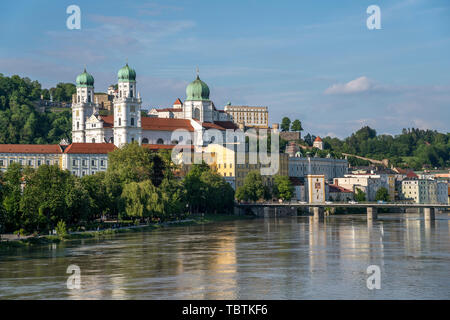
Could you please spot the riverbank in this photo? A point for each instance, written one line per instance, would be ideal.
(100, 234)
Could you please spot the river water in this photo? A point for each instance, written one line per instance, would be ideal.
(284, 258)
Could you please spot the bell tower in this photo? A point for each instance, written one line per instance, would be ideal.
(83, 106)
(127, 109)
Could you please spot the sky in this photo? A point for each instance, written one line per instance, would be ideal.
(310, 60)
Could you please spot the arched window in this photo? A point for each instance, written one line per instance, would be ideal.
(132, 121)
(131, 93)
(196, 114)
(145, 140)
(93, 140)
(160, 141)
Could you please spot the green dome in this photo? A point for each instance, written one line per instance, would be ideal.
(85, 79)
(197, 90)
(126, 74)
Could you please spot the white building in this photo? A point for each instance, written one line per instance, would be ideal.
(32, 155)
(367, 183)
(86, 158)
(424, 191)
(300, 167)
(318, 143)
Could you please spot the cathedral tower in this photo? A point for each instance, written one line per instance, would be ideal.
(83, 106)
(197, 104)
(127, 109)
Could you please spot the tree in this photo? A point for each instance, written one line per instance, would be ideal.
(285, 124)
(133, 163)
(253, 188)
(11, 190)
(382, 194)
(282, 188)
(43, 202)
(296, 125)
(207, 191)
(360, 196)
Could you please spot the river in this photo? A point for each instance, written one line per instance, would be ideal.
(284, 258)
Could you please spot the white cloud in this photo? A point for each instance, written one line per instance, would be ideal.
(361, 84)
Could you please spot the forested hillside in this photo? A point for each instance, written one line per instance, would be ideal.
(413, 148)
(21, 123)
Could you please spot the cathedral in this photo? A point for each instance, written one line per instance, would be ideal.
(196, 114)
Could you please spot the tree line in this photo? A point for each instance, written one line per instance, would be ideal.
(413, 148)
(139, 184)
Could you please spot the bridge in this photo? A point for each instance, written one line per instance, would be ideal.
(262, 208)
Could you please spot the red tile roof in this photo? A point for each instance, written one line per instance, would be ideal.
(90, 148)
(30, 148)
(336, 188)
(219, 125)
(165, 124)
(108, 121)
(411, 174)
(318, 139)
(178, 102)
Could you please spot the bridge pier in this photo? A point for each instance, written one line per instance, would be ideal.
(372, 213)
(428, 214)
(318, 213)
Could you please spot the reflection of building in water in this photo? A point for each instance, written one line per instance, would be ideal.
(412, 236)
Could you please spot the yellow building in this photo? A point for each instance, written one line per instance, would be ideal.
(257, 117)
(229, 165)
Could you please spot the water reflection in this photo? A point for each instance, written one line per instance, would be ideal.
(282, 258)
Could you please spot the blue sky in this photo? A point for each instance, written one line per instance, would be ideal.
(311, 60)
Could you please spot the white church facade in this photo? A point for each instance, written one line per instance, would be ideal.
(126, 125)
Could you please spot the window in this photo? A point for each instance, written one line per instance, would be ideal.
(93, 172)
(160, 141)
(145, 140)
(93, 140)
(131, 93)
(93, 162)
(47, 162)
(78, 125)
(83, 174)
(120, 122)
(1, 163)
(89, 97)
(83, 162)
(74, 162)
(102, 163)
(132, 121)
(39, 162)
(132, 139)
